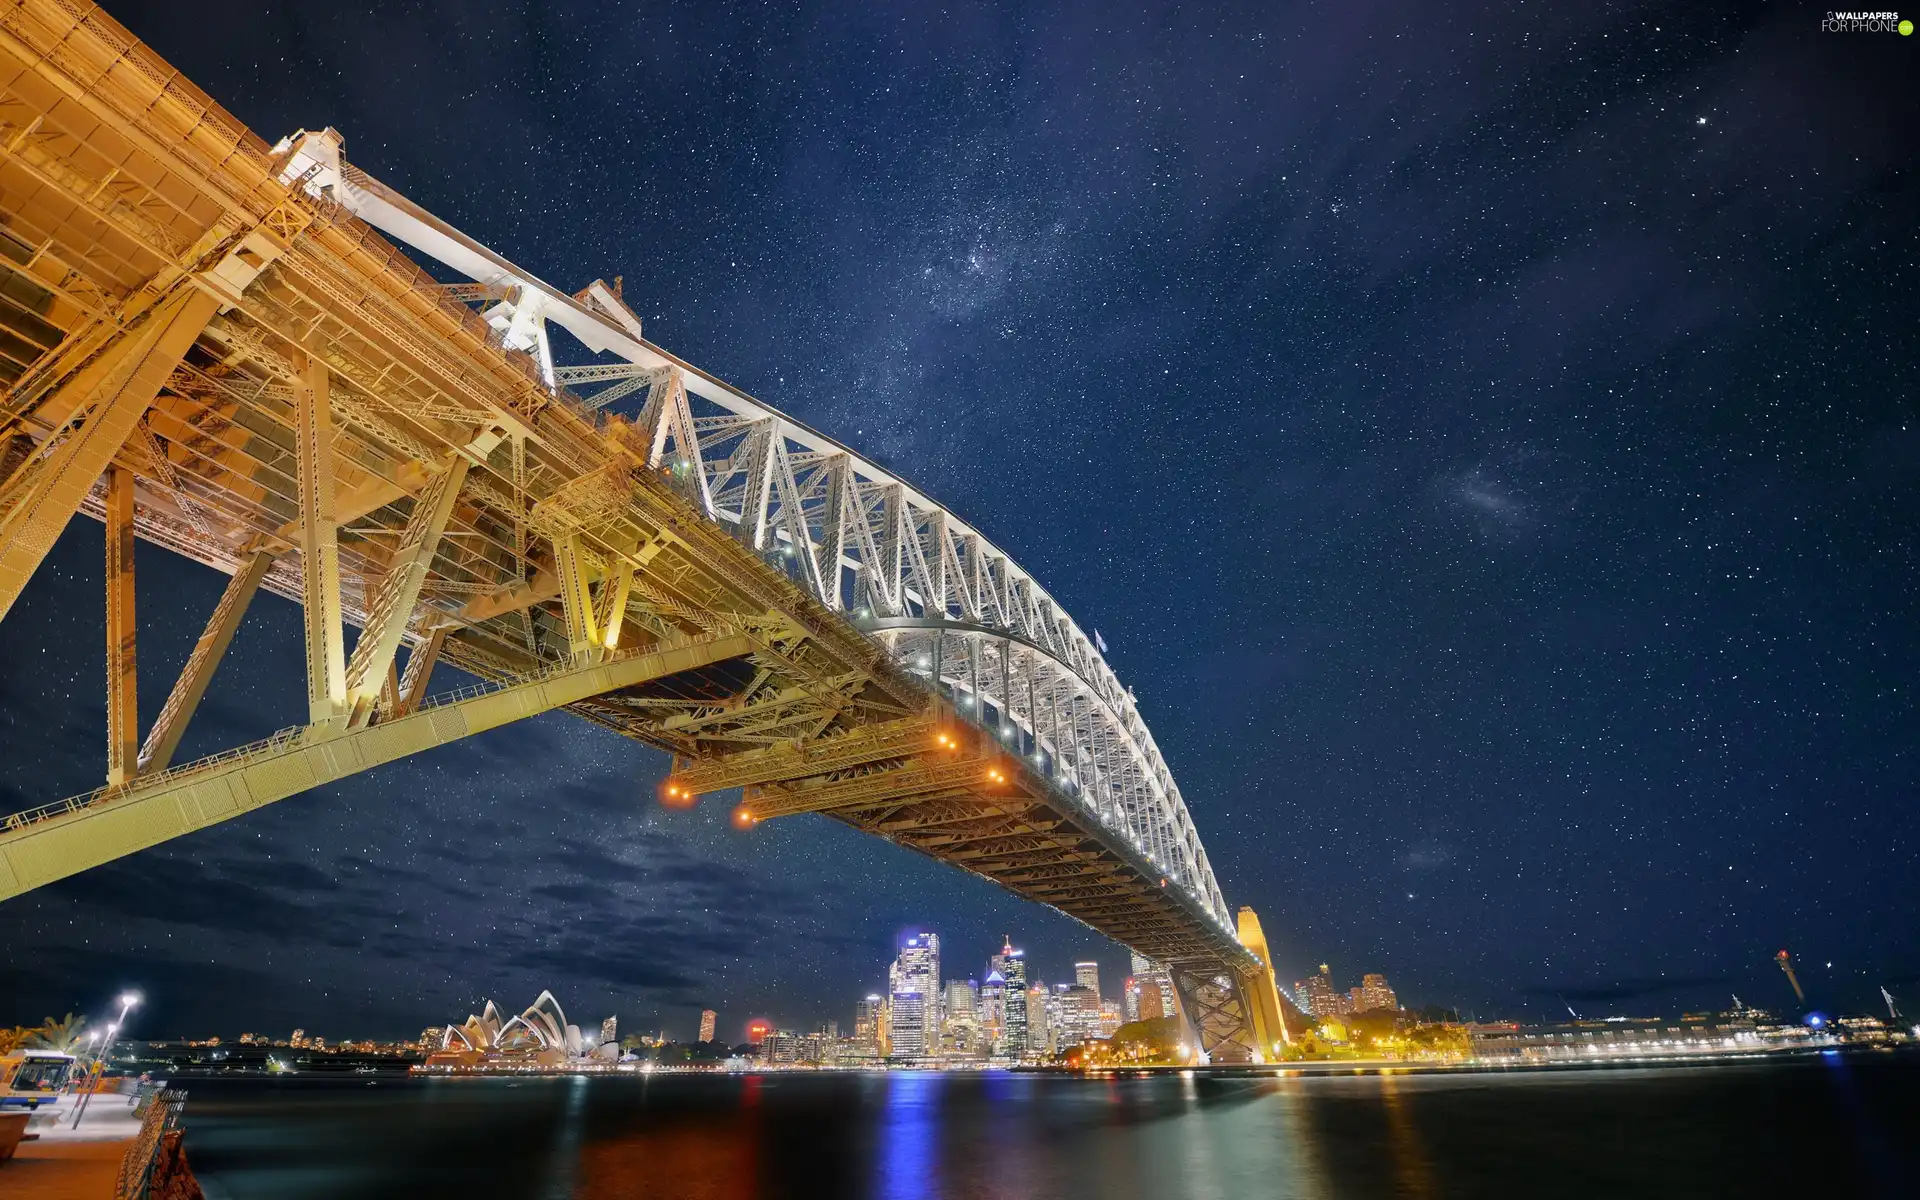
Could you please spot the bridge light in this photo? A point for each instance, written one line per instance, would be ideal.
(743, 818)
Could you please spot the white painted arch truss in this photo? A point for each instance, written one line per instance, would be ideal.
(945, 601)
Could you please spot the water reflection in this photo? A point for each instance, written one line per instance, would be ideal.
(957, 1137)
(1412, 1171)
(906, 1138)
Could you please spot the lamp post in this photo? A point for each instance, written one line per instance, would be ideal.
(127, 1001)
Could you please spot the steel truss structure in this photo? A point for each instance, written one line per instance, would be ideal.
(217, 345)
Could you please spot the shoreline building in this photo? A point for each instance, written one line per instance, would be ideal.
(709, 1020)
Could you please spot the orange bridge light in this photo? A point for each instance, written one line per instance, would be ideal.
(677, 795)
(743, 818)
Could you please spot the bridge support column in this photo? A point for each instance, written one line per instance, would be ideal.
(399, 592)
(1212, 1004)
(413, 683)
(112, 390)
(156, 754)
(1261, 988)
(319, 547)
(123, 705)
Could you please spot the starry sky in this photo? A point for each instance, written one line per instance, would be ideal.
(1486, 437)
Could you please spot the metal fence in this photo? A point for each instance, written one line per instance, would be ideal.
(165, 1113)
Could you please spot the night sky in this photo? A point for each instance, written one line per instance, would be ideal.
(1487, 440)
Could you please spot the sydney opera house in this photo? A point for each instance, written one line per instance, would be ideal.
(538, 1037)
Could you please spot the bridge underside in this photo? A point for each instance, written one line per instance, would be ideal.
(201, 351)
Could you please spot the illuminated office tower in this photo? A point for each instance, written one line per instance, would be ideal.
(908, 1025)
(1039, 1027)
(1079, 1016)
(914, 1027)
(1130, 1000)
(299, 1040)
(866, 1020)
(708, 1020)
(1087, 975)
(1321, 999)
(963, 1002)
(961, 1011)
(1011, 966)
(1156, 988)
(1374, 993)
(610, 1030)
(993, 1010)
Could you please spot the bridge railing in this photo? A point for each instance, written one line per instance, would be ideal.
(284, 740)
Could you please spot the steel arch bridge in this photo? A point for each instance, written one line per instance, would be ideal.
(218, 345)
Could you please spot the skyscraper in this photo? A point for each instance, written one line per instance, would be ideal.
(1011, 966)
(1322, 999)
(1087, 975)
(993, 1009)
(708, 1020)
(961, 1010)
(610, 1030)
(866, 1021)
(1039, 1027)
(1153, 978)
(1374, 993)
(915, 986)
(1130, 1000)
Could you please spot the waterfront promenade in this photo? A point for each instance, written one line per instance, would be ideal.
(74, 1164)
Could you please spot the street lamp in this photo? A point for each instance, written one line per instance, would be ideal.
(127, 1001)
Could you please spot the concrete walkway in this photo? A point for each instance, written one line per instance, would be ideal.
(73, 1164)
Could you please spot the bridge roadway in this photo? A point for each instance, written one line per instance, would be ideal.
(216, 345)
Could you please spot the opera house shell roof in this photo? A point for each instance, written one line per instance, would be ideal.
(539, 1036)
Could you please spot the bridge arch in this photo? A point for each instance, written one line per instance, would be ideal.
(262, 381)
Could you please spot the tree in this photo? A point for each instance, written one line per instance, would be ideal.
(13, 1039)
(63, 1035)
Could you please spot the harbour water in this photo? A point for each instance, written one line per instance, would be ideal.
(1828, 1126)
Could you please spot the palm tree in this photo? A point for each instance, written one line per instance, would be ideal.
(63, 1035)
(14, 1038)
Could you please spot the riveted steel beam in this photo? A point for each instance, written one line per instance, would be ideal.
(40, 847)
